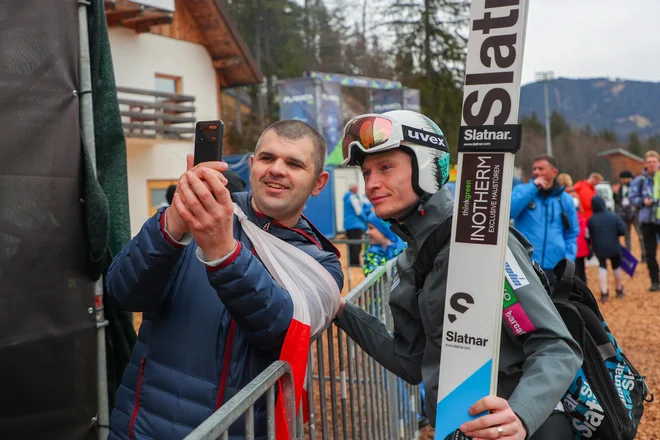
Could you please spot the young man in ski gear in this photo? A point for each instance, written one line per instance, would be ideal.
(383, 244)
(644, 195)
(545, 214)
(404, 182)
(627, 211)
(605, 228)
(214, 317)
(586, 190)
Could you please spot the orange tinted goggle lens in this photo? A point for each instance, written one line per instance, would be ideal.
(369, 132)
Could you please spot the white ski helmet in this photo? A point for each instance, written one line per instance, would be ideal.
(410, 131)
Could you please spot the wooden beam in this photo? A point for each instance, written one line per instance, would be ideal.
(115, 17)
(169, 96)
(143, 22)
(157, 105)
(223, 63)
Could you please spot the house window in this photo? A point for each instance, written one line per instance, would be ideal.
(168, 83)
(156, 190)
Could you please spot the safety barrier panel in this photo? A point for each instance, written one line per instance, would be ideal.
(349, 395)
(242, 403)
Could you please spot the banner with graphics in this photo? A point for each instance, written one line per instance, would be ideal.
(330, 120)
(412, 100)
(355, 81)
(297, 100)
(475, 306)
(386, 100)
(400, 99)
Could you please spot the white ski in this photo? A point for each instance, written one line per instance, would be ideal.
(489, 138)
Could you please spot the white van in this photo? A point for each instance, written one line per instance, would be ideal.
(604, 189)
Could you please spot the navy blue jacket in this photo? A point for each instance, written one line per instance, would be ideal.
(171, 384)
(538, 216)
(605, 228)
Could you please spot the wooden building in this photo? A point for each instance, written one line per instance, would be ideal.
(172, 59)
(620, 160)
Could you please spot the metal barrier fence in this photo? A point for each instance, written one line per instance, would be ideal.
(242, 403)
(350, 396)
(364, 243)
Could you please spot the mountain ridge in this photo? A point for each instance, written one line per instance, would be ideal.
(620, 105)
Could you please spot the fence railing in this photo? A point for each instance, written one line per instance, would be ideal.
(348, 281)
(153, 114)
(349, 395)
(217, 426)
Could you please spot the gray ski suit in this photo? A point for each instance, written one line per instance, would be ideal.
(535, 368)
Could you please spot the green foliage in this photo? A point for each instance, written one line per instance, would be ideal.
(634, 145)
(558, 125)
(430, 55)
(608, 135)
(532, 123)
(289, 37)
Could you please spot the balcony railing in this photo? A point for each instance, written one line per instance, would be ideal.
(156, 115)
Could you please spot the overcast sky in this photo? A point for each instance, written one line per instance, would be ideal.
(580, 38)
(593, 38)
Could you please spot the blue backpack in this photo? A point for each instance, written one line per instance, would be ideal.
(606, 399)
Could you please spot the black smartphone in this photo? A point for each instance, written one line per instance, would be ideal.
(208, 141)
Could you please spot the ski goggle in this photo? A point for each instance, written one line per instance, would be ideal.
(372, 133)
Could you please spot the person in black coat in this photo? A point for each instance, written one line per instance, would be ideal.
(605, 228)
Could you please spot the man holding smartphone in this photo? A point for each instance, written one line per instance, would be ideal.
(214, 318)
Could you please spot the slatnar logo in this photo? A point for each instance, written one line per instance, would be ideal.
(486, 135)
(456, 304)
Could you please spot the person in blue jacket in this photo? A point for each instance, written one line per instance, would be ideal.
(214, 318)
(545, 214)
(383, 244)
(355, 222)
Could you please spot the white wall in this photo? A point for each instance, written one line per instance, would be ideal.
(138, 57)
(343, 178)
(151, 160)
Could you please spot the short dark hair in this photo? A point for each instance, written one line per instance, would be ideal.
(169, 194)
(546, 157)
(625, 174)
(294, 129)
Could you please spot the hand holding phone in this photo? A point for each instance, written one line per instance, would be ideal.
(208, 141)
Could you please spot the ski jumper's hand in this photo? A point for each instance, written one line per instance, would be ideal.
(500, 423)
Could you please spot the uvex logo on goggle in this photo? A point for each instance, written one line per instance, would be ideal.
(425, 138)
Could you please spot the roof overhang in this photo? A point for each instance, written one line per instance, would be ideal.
(231, 57)
(622, 152)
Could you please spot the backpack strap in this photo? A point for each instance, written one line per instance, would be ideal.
(429, 250)
(563, 284)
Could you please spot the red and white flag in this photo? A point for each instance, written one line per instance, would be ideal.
(315, 297)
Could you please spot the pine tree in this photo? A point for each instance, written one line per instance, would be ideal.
(558, 125)
(634, 145)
